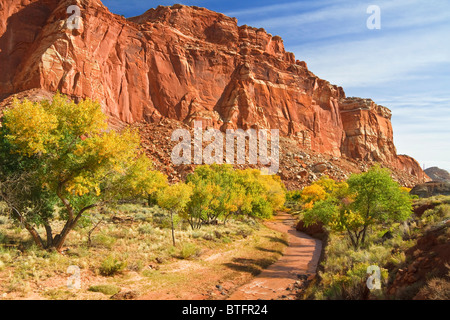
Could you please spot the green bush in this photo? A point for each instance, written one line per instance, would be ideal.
(189, 250)
(142, 217)
(3, 238)
(111, 266)
(162, 220)
(106, 289)
(3, 219)
(397, 258)
(146, 229)
(438, 213)
(104, 241)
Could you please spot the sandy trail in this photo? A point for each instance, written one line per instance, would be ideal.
(300, 259)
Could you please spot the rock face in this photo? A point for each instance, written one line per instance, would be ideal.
(438, 175)
(185, 64)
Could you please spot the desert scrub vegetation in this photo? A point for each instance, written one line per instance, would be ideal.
(132, 244)
(343, 270)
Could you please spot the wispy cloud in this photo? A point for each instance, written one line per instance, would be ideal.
(281, 8)
(379, 59)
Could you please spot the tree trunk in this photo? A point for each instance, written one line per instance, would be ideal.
(34, 234)
(59, 239)
(173, 228)
(354, 243)
(48, 231)
(363, 240)
(91, 231)
(36, 237)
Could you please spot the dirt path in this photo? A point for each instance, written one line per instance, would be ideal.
(298, 263)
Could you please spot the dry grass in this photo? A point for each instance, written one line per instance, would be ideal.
(148, 263)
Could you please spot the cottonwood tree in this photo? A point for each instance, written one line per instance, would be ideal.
(62, 153)
(264, 194)
(220, 192)
(216, 195)
(364, 200)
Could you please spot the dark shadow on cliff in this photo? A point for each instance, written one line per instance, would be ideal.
(22, 29)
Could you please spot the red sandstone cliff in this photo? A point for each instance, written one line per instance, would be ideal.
(187, 63)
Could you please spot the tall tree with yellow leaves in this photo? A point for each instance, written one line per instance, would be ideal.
(68, 156)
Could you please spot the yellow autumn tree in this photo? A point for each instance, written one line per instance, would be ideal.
(311, 194)
(70, 157)
(174, 199)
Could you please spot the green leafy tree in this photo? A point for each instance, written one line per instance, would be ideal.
(364, 200)
(378, 199)
(264, 193)
(216, 195)
(220, 192)
(62, 152)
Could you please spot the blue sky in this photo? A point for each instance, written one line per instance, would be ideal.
(404, 66)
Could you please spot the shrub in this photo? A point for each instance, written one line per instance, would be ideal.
(142, 217)
(3, 207)
(397, 258)
(208, 237)
(106, 289)
(3, 238)
(111, 266)
(226, 240)
(197, 234)
(104, 241)
(3, 219)
(244, 232)
(189, 250)
(438, 213)
(436, 289)
(146, 229)
(162, 220)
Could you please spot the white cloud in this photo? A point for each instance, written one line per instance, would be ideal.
(281, 7)
(377, 60)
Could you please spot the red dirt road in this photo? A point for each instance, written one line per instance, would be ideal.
(300, 259)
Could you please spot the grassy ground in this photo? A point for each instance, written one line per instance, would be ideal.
(134, 252)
